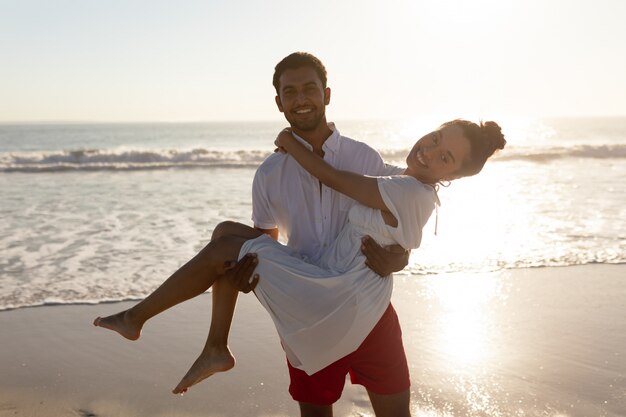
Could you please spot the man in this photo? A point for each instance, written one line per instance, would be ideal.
(289, 200)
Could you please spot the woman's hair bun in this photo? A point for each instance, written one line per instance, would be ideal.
(484, 138)
(493, 135)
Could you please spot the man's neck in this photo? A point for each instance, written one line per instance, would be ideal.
(316, 137)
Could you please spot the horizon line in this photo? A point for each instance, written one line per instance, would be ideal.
(200, 121)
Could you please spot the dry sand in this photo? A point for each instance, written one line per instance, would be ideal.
(531, 342)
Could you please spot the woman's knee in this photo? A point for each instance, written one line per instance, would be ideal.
(213, 256)
(230, 228)
(225, 228)
(225, 248)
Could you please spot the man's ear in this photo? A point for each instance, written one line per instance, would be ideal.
(327, 96)
(279, 104)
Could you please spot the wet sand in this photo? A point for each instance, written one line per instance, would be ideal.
(528, 342)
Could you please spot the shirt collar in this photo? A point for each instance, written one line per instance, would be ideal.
(330, 144)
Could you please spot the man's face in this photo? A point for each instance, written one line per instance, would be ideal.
(302, 98)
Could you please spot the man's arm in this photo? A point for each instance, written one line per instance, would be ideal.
(241, 274)
(273, 233)
(384, 260)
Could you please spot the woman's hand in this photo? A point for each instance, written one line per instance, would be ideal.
(284, 135)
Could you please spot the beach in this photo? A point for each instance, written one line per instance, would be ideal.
(130, 131)
(514, 307)
(521, 342)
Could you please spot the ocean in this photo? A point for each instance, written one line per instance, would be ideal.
(96, 213)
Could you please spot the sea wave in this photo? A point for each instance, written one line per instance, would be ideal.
(617, 151)
(138, 159)
(27, 297)
(127, 160)
(543, 154)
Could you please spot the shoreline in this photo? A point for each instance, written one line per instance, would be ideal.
(415, 276)
(542, 341)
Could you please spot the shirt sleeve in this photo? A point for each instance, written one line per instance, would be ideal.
(389, 169)
(261, 208)
(371, 163)
(411, 203)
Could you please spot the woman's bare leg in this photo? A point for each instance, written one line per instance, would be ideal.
(216, 356)
(192, 279)
(224, 294)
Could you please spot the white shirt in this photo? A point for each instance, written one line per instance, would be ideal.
(308, 214)
(324, 311)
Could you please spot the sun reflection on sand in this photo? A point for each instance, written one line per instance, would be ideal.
(465, 321)
(465, 342)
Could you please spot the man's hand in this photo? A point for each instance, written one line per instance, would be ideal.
(381, 260)
(240, 274)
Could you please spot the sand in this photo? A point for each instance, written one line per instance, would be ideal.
(528, 342)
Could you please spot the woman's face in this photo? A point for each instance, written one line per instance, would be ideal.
(438, 155)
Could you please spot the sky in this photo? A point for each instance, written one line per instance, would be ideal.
(155, 60)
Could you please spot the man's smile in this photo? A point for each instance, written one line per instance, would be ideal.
(303, 110)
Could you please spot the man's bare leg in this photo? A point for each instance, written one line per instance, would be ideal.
(313, 410)
(394, 405)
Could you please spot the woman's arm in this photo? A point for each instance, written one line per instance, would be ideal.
(359, 187)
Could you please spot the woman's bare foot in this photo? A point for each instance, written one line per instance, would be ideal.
(120, 323)
(210, 361)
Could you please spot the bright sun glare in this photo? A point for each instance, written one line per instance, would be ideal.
(465, 321)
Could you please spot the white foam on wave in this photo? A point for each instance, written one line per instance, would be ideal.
(103, 238)
(577, 151)
(539, 154)
(133, 159)
(78, 238)
(140, 159)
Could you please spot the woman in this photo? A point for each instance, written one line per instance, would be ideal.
(322, 311)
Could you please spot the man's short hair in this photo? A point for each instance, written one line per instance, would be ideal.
(298, 60)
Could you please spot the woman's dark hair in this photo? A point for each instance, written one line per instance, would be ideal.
(299, 60)
(484, 138)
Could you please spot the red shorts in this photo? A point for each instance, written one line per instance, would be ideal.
(379, 364)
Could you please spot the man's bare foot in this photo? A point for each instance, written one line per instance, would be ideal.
(120, 323)
(209, 362)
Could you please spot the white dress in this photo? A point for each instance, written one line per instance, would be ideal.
(324, 311)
